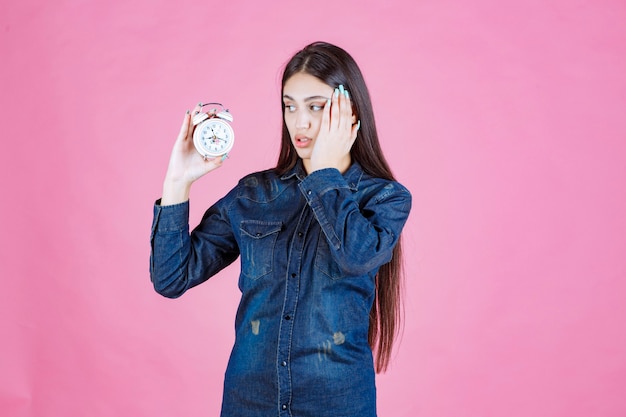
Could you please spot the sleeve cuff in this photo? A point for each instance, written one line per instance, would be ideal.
(320, 182)
(170, 218)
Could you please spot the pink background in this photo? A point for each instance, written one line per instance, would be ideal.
(506, 120)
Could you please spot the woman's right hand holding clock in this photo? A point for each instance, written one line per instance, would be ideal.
(186, 165)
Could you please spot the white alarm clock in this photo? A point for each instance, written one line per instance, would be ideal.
(213, 135)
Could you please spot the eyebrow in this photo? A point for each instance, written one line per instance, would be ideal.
(312, 98)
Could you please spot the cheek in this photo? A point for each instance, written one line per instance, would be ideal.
(316, 122)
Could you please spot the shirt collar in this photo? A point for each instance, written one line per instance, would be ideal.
(352, 176)
(297, 171)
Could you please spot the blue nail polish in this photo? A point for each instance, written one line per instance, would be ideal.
(336, 93)
(341, 88)
(345, 93)
(358, 125)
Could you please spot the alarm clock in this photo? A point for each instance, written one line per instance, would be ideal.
(213, 135)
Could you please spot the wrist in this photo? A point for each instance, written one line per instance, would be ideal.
(175, 192)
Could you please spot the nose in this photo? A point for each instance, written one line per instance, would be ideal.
(303, 121)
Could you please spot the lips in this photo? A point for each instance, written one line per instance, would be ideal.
(302, 141)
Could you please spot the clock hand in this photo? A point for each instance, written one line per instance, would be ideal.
(215, 138)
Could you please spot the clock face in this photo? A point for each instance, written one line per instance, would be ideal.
(213, 137)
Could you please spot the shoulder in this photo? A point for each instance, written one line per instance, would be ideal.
(261, 186)
(259, 178)
(381, 189)
(259, 175)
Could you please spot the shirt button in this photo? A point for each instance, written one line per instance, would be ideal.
(293, 275)
(300, 234)
(309, 192)
(287, 317)
(284, 406)
(283, 363)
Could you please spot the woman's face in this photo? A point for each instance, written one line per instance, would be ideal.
(304, 97)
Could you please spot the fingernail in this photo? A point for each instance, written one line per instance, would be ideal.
(341, 88)
(336, 94)
(358, 125)
(224, 157)
(345, 92)
(328, 102)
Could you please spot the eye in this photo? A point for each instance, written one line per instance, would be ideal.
(290, 108)
(316, 107)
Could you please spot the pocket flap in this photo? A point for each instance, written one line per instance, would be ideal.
(258, 229)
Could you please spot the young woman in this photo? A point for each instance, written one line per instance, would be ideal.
(318, 238)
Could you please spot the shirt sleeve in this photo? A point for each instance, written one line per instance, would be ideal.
(360, 234)
(180, 260)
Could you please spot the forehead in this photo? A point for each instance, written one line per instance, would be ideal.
(302, 85)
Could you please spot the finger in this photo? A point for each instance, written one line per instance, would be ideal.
(184, 128)
(354, 131)
(190, 125)
(346, 111)
(213, 163)
(217, 160)
(325, 125)
(334, 110)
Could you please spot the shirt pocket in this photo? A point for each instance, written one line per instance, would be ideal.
(324, 261)
(258, 239)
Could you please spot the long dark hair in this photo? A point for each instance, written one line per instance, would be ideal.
(335, 67)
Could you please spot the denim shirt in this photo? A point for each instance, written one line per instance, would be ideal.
(310, 248)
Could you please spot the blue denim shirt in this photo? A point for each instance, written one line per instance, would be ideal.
(310, 247)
